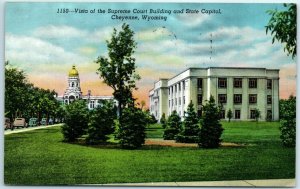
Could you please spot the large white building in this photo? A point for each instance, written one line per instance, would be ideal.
(240, 89)
(73, 91)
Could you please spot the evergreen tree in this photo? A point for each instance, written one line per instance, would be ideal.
(191, 128)
(132, 127)
(76, 120)
(211, 129)
(173, 126)
(229, 115)
(163, 120)
(101, 123)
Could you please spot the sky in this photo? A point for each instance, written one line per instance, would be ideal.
(45, 44)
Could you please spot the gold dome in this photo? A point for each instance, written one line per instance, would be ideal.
(73, 72)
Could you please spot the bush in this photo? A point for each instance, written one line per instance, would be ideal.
(191, 128)
(287, 109)
(101, 123)
(76, 120)
(229, 115)
(163, 120)
(211, 129)
(173, 126)
(132, 125)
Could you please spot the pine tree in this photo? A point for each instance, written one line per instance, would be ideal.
(211, 129)
(229, 115)
(173, 126)
(163, 120)
(190, 132)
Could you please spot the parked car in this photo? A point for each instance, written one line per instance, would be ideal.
(20, 122)
(32, 122)
(44, 121)
(7, 123)
(50, 122)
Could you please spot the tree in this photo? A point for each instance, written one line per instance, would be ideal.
(132, 127)
(191, 128)
(256, 114)
(229, 115)
(287, 113)
(101, 123)
(283, 27)
(211, 129)
(163, 120)
(173, 126)
(118, 71)
(76, 120)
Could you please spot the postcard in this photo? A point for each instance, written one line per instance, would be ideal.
(150, 94)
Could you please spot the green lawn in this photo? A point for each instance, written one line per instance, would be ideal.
(41, 158)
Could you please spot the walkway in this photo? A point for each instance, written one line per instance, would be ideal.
(17, 130)
(234, 183)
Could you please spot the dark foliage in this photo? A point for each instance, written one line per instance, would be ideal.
(211, 129)
(76, 120)
(173, 126)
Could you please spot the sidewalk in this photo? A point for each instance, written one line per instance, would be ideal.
(234, 183)
(8, 132)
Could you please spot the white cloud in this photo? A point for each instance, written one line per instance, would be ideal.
(27, 51)
(59, 31)
(193, 20)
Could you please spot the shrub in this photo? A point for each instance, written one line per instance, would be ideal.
(288, 121)
(173, 126)
(132, 124)
(229, 115)
(256, 114)
(211, 129)
(191, 128)
(163, 120)
(101, 123)
(76, 120)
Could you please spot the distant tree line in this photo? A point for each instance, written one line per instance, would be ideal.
(23, 99)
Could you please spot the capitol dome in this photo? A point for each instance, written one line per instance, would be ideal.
(73, 72)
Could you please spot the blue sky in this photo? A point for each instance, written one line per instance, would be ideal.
(46, 44)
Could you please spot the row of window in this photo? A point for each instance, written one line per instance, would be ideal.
(237, 114)
(238, 83)
(237, 98)
(177, 86)
(171, 102)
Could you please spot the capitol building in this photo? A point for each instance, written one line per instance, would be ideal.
(73, 92)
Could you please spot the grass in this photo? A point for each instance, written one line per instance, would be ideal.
(40, 157)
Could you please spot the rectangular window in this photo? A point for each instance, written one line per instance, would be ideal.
(183, 85)
(238, 83)
(269, 84)
(179, 101)
(237, 98)
(222, 114)
(237, 114)
(199, 83)
(172, 102)
(222, 82)
(169, 91)
(252, 98)
(199, 99)
(169, 103)
(175, 88)
(252, 83)
(269, 99)
(175, 101)
(222, 98)
(183, 99)
(179, 87)
(92, 105)
(252, 114)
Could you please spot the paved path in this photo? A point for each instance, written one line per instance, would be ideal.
(234, 183)
(8, 132)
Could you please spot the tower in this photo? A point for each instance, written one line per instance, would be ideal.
(73, 90)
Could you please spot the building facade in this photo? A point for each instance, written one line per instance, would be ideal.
(242, 90)
(73, 92)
